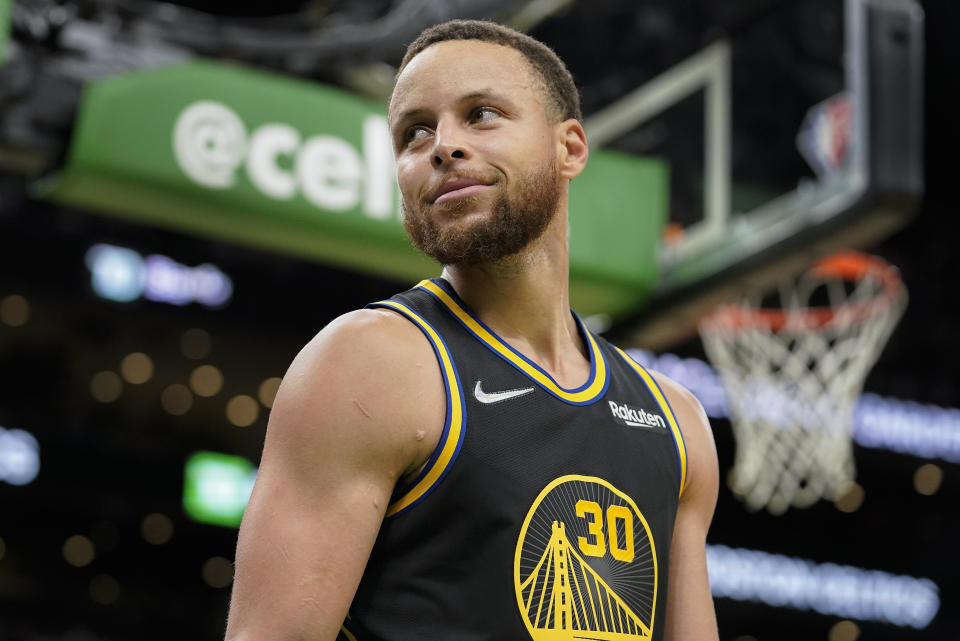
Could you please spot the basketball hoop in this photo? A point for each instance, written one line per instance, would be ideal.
(793, 370)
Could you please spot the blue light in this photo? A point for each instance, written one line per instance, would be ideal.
(907, 427)
(116, 273)
(19, 457)
(123, 275)
(841, 590)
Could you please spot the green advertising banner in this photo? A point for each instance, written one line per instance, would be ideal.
(6, 6)
(292, 166)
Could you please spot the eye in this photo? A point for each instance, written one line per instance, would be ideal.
(415, 133)
(484, 114)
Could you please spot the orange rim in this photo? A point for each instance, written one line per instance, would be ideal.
(846, 265)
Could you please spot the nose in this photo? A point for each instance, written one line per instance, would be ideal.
(440, 157)
(449, 144)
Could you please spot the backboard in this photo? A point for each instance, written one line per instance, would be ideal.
(790, 130)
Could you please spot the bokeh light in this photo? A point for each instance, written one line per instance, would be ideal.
(156, 528)
(217, 572)
(206, 380)
(242, 410)
(176, 399)
(844, 631)
(136, 368)
(104, 589)
(195, 343)
(850, 499)
(106, 386)
(268, 391)
(14, 310)
(78, 551)
(927, 479)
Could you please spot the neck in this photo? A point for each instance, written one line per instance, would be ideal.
(525, 299)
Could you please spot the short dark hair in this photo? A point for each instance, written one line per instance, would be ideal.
(558, 83)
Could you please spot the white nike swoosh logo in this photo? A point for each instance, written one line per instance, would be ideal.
(496, 397)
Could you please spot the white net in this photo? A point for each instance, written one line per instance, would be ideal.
(793, 370)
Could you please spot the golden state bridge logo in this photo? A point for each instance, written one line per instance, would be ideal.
(586, 564)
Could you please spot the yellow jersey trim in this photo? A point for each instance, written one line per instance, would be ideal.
(667, 411)
(452, 437)
(587, 393)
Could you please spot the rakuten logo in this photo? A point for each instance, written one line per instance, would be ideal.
(211, 144)
(636, 417)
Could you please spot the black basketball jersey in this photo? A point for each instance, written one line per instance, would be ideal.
(543, 513)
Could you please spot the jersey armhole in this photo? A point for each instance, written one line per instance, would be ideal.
(667, 410)
(454, 426)
(345, 634)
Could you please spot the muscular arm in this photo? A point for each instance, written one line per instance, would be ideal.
(359, 408)
(690, 612)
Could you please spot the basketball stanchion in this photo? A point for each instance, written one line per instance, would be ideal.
(793, 365)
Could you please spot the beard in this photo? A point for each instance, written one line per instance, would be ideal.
(514, 222)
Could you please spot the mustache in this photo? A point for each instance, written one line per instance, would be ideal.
(433, 187)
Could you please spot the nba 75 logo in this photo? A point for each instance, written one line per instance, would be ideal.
(585, 564)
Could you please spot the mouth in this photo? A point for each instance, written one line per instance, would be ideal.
(458, 188)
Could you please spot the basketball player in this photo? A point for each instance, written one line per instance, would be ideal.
(466, 460)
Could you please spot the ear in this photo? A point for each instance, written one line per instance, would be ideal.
(573, 148)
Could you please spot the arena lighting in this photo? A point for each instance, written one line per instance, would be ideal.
(845, 591)
(906, 427)
(123, 275)
(217, 487)
(19, 457)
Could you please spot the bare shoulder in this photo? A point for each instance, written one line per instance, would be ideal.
(702, 468)
(378, 334)
(353, 415)
(369, 385)
(681, 399)
(356, 341)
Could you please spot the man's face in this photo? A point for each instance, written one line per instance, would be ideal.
(476, 152)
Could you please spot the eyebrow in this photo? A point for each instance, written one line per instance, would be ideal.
(485, 93)
(473, 95)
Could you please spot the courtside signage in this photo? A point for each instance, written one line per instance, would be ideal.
(296, 167)
(213, 148)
